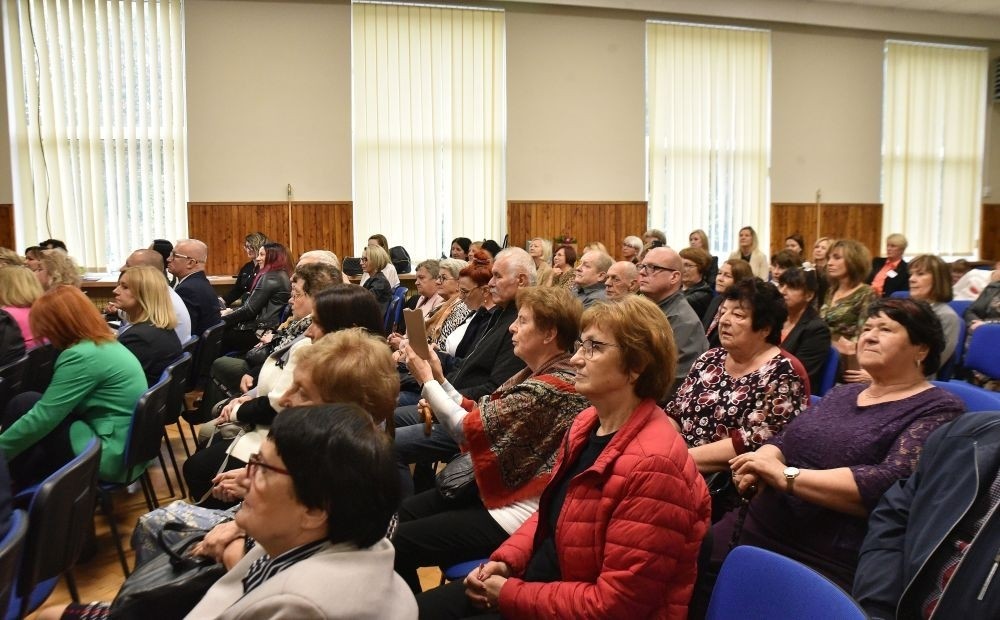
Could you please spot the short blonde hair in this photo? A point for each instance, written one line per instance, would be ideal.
(378, 257)
(62, 269)
(354, 366)
(19, 287)
(643, 336)
(546, 249)
(153, 296)
(898, 239)
(10, 258)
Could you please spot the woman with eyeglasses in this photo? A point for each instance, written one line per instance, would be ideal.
(449, 315)
(804, 333)
(694, 262)
(252, 244)
(268, 298)
(620, 523)
(741, 394)
(321, 495)
(339, 306)
(512, 436)
(474, 292)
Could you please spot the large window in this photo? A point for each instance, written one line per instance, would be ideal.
(429, 124)
(932, 145)
(96, 93)
(708, 112)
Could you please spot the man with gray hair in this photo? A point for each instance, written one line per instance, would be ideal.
(152, 258)
(590, 275)
(322, 256)
(660, 281)
(622, 280)
(187, 264)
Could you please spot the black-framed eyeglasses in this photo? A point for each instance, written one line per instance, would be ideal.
(648, 267)
(589, 346)
(256, 462)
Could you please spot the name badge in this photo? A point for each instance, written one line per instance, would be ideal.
(892, 273)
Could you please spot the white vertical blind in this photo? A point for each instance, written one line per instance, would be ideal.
(429, 125)
(96, 100)
(708, 103)
(933, 134)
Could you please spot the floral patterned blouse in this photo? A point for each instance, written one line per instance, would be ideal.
(711, 405)
(846, 316)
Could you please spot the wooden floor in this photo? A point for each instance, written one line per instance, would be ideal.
(100, 577)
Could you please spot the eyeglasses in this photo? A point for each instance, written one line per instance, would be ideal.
(256, 462)
(589, 346)
(443, 278)
(649, 267)
(364, 259)
(174, 255)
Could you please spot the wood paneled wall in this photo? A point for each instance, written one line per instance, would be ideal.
(862, 222)
(607, 222)
(300, 226)
(7, 228)
(989, 233)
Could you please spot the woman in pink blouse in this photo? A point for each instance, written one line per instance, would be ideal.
(19, 288)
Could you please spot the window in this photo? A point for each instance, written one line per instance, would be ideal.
(708, 108)
(932, 145)
(97, 92)
(429, 124)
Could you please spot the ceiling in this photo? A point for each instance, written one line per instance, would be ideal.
(990, 8)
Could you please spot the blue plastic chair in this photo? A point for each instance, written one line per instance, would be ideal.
(10, 554)
(960, 306)
(813, 399)
(394, 311)
(975, 398)
(900, 294)
(982, 354)
(60, 513)
(459, 571)
(756, 583)
(949, 365)
(829, 376)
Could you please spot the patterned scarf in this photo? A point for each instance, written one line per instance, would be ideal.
(515, 432)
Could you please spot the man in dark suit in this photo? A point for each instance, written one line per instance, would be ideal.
(890, 273)
(187, 264)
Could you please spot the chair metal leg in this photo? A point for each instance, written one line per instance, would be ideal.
(166, 474)
(180, 431)
(147, 488)
(106, 507)
(177, 470)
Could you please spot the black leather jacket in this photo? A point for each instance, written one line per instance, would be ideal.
(263, 308)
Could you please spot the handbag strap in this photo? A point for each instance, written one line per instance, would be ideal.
(179, 557)
(225, 462)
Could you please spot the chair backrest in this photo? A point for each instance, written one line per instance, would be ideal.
(394, 311)
(41, 366)
(829, 376)
(949, 365)
(900, 294)
(10, 554)
(813, 399)
(982, 352)
(960, 306)
(13, 374)
(146, 431)
(191, 346)
(975, 398)
(208, 350)
(177, 373)
(60, 513)
(792, 590)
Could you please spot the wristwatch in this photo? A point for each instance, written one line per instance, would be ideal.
(791, 473)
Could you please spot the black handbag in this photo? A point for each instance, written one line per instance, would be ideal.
(457, 481)
(723, 493)
(171, 584)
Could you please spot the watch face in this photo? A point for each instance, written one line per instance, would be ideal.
(791, 472)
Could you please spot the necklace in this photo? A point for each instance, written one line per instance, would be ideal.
(868, 394)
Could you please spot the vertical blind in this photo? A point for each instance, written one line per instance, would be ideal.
(96, 98)
(708, 107)
(932, 145)
(429, 125)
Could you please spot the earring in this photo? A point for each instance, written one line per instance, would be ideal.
(919, 362)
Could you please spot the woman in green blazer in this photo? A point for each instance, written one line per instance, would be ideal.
(94, 389)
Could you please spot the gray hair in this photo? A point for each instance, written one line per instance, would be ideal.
(432, 265)
(546, 249)
(452, 266)
(633, 242)
(320, 256)
(520, 261)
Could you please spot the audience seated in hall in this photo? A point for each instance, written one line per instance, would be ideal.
(541, 252)
(425, 281)
(783, 260)
(889, 273)
(847, 299)
(142, 295)
(56, 267)
(389, 270)
(631, 248)
(699, 239)
(660, 281)
(564, 267)
(187, 264)
(818, 480)
(694, 262)
(748, 249)
(590, 276)
(252, 244)
(373, 262)
(804, 334)
(460, 247)
(12, 346)
(488, 366)
(263, 308)
(930, 281)
(19, 288)
(732, 271)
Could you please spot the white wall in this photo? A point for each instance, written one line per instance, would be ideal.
(268, 93)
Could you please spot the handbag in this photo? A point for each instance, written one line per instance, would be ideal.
(145, 536)
(169, 585)
(457, 481)
(723, 493)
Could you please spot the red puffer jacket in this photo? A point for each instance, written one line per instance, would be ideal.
(629, 531)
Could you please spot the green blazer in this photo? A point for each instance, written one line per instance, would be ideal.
(99, 386)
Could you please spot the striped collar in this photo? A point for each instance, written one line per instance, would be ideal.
(264, 567)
